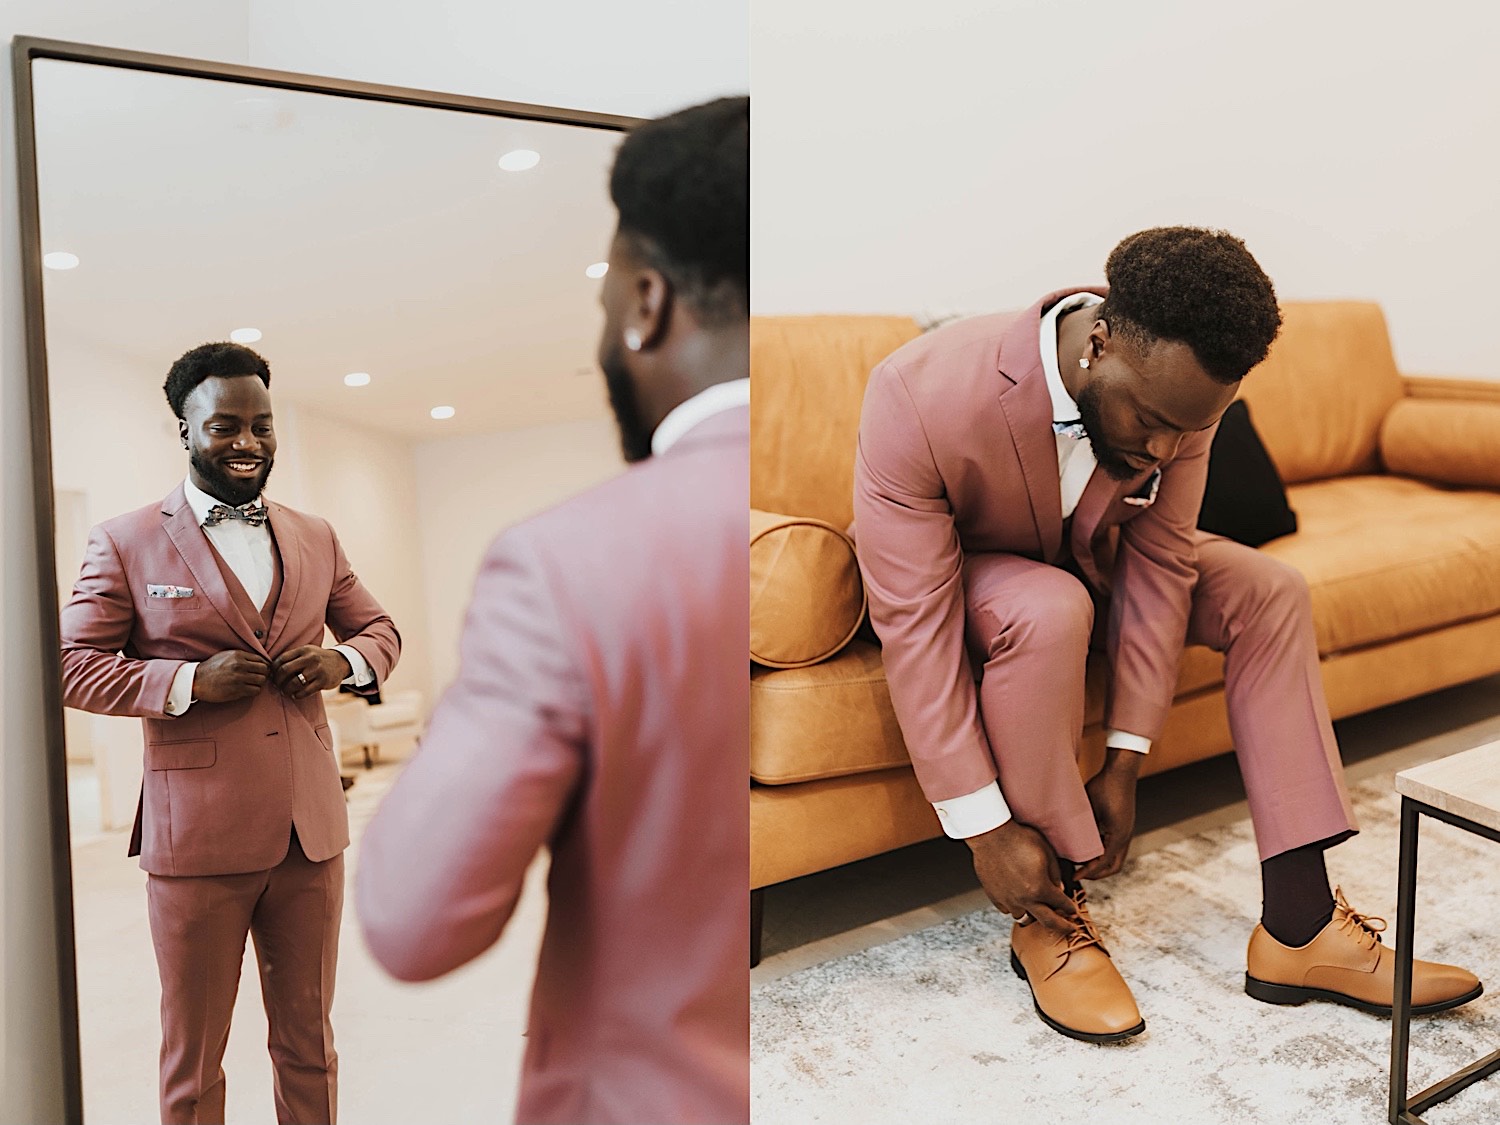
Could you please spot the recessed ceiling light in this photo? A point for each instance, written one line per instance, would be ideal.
(443, 412)
(598, 269)
(357, 379)
(245, 335)
(60, 260)
(520, 159)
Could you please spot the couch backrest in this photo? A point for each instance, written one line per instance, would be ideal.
(807, 385)
(1320, 396)
(1317, 400)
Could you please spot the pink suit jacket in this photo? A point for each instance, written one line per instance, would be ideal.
(957, 456)
(601, 710)
(225, 782)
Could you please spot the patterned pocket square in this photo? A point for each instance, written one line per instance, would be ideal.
(154, 591)
(1146, 495)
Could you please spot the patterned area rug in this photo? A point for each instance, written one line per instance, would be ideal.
(934, 1027)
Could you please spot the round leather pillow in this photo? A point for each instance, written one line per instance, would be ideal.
(806, 597)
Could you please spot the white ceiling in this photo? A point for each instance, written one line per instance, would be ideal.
(357, 236)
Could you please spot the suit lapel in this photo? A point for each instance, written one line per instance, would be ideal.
(1028, 412)
(182, 529)
(1099, 495)
(290, 548)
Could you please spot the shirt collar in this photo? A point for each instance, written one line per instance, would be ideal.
(1064, 409)
(201, 501)
(702, 406)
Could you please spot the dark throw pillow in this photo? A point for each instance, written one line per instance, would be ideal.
(1244, 498)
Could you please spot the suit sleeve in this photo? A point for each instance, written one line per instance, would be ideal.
(356, 619)
(96, 624)
(912, 564)
(1155, 570)
(444, 858)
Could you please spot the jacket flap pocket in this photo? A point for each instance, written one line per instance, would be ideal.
(181, 755)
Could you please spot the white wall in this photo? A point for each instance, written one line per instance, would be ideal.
(364, 483)
(469, 489)
(969, 155)
(640, 59)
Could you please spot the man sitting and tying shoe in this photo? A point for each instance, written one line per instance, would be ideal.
(986, 537)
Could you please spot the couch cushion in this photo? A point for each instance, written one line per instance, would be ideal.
(835, 718)
(809, 375)
(1387, 557)
(825, 720)
(1320, 396)
(806, 597)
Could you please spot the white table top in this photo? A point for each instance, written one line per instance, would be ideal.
(1465, 784)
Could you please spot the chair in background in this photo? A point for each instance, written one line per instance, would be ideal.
(366, 727)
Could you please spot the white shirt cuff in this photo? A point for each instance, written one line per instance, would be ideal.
(1120, 740)
(973, 814)
(362, 675)
(180, 697)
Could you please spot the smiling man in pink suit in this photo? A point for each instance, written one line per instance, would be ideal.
(601, 708)
(204, 615)
(1015, 472)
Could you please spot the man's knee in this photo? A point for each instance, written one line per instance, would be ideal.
(1272, 594)
(1051, 610)
(1280, 585)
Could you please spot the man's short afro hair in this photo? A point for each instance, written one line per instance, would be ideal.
(207, 361)
(682, 186)
(1197, 286)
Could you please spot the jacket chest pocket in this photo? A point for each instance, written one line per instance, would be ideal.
(194, 755)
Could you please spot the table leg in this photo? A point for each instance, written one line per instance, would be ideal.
(1406, 904)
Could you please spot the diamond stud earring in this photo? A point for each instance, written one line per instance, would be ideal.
(1083, 361)
(633, 339)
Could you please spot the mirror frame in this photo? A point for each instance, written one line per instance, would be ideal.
(25, 51)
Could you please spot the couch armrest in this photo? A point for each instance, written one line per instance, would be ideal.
(1448, 440)
(1469, 390)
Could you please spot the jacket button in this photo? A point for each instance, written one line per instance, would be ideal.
(259, 634)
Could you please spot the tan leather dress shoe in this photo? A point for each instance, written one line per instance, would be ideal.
(1349, 964)
(1074, 985)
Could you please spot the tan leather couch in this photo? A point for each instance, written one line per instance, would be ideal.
(1394, 481)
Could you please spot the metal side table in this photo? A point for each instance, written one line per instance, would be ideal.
(1462, 790)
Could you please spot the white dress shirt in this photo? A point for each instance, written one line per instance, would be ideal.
(702, 406)
(250, 554)
(985, 809)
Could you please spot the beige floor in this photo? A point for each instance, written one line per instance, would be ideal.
(448, 1051)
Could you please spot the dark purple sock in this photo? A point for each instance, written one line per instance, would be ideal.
(1296, 902)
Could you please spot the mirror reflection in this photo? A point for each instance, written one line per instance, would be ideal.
(422, 285)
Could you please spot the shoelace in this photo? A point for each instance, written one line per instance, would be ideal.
(1356, 924)
(1085, 934)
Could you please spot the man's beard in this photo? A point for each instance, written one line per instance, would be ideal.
(635, 437)
(1108, 457)
(222, 486)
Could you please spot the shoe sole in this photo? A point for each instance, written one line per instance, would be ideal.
(1070, 1032)
(1270, 993)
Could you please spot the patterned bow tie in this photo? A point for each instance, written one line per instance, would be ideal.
(255, 515)
(1072, 428)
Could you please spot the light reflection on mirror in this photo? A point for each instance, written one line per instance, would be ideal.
(388, 264)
